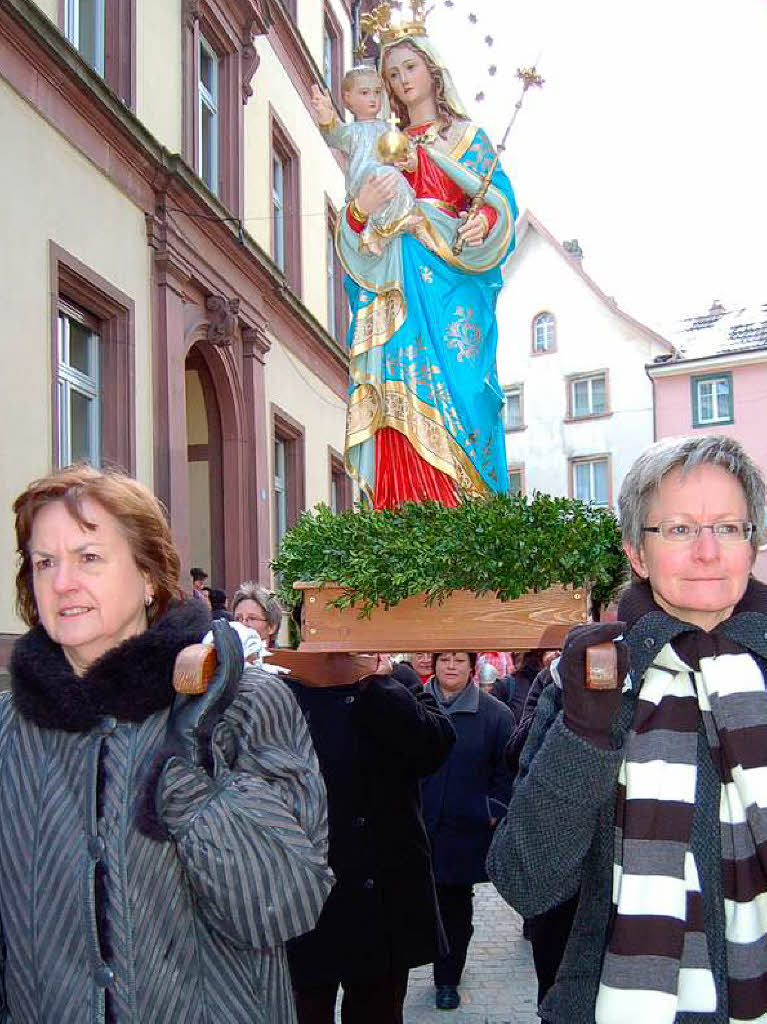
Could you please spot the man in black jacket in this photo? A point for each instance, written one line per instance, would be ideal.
(375, 740)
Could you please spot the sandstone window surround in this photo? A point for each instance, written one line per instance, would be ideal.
(285, 191)
(591, 479)
(516, 478)
(340, 484)
(336, 304)
(588, 395)
(514, 407)
(93, 355)
(104, 34)
(288, 472)
(332, 55)
(219, 61)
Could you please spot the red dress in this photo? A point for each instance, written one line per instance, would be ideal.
(401, 473)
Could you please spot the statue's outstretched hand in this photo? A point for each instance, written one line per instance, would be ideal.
(322, 106)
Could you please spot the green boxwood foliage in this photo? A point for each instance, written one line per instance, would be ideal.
(509, 545)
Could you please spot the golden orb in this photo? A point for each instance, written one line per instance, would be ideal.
(393, 147)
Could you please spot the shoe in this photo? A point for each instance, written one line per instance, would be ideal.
(447, 998)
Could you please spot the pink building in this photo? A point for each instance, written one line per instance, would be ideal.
(717, 383)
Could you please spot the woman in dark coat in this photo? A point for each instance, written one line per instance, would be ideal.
(375, 740)
(463, 802)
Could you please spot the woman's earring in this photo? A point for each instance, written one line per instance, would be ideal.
(148, 599)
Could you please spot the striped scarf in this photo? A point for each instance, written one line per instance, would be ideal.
(657, 964)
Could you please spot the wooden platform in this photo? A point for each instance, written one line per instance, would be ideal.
(464, 622)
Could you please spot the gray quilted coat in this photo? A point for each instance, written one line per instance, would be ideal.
(102, 922)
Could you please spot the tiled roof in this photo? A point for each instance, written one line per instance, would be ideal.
(722, 331)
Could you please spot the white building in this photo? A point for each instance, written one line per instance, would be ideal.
(572, 365)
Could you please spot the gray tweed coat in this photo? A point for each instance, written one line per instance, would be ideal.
(100, 921)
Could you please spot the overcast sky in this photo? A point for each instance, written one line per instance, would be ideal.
(647, 143)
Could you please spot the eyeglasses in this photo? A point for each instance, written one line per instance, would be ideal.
(251, 620)
(730, 532)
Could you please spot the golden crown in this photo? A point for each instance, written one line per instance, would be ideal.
(380, 25)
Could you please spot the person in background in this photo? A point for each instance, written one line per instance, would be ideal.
(513, 691)
(647, 801)
(218, 602)
(199, 577)
(156, 850)
(463, 801)
(486, 676)
(494, 674)
(421, 662)
(257, 608)
(375, 740)
(550, 656)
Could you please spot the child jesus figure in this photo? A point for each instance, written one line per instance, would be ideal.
(362, 91)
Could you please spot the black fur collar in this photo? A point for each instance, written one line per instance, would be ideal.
(131, 682)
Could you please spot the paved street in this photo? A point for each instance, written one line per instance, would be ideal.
(499, 984)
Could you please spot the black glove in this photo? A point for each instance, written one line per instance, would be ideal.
(590, 713)
(192, 719)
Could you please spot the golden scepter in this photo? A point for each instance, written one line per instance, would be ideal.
(529, 77)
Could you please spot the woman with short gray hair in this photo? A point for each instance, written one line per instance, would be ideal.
(257, 608)
(683, 454)
(647, 802)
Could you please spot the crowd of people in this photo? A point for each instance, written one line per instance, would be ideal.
(243, 854)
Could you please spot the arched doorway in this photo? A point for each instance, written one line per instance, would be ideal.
(205, 468)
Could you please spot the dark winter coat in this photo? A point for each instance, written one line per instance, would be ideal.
(374, 743)
(559, 834)
(513, 690)
(99, 921)
(472, 786)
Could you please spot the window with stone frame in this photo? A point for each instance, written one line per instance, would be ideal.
(219, 60)
(588, 395)
(341, 488)
(207, 114)
(544, 333)
(285, 204)
(103, 33)
(78, 386)
(516, 478)
(590, 479)
(332, 55)
(288, 473)
(93, 351)
(514, 407)
(336, 304)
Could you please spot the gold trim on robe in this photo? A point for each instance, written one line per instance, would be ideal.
(378, 321)
(421, 424)
(439, 204)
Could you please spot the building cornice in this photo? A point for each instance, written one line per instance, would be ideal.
(42, 67)
(720, 361)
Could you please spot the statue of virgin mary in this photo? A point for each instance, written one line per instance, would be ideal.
(424, 420)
